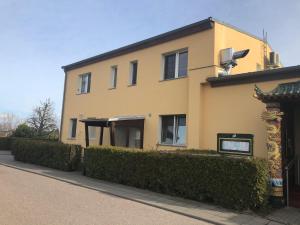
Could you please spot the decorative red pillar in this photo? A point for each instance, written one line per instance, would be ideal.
(273, 118)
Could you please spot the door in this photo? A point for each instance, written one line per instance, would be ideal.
(126, 136)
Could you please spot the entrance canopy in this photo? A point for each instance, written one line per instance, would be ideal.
(103, 122)
(129, 128)
(283, 92)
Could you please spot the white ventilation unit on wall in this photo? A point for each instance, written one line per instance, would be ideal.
(274, 60)
(228, 59)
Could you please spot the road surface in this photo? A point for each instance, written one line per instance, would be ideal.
(31, 199)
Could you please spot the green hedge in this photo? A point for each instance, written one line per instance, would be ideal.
(232, 182)
(5, 143)
(47, 153)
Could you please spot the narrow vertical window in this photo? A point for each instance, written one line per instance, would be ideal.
(170, 62)
(133, 73)
(167, 128)
(175, 65)
(180, 129)
(114, 74)
(84, 83)
(73, 127)
(182, 64)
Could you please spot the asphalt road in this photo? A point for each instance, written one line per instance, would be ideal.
(30, 199)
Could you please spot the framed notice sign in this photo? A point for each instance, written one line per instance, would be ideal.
(241, 144)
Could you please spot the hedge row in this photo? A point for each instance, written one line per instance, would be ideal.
(5, 143)
(47, 153)
(238, 183)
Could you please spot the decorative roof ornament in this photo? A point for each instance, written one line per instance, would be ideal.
(284, 91)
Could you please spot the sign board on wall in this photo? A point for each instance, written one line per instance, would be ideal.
(241, 144)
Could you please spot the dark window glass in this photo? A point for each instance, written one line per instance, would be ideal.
(120, 136)
(183, 62)
(73, 127)
(127, 136)
(170, 61)
(134, 72)
(167, 128)
(89, 83)
(85, 83)
(114, 75)
(173, 129)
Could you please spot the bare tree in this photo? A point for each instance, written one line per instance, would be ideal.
(8, 121)
(43, 119)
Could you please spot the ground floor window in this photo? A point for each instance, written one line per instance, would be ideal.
(92, 132)
(72, 128)
(127, 137)
(173, 129)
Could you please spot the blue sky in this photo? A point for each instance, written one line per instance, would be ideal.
(37, 37)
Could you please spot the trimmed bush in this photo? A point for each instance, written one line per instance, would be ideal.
(233, 182)
(5, 143)
(47, 153)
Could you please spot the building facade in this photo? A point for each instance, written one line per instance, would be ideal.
(160, 80)
(177, 91)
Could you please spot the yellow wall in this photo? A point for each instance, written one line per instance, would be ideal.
(149, 96)
(226, 37)
(233, 109)
(152, 97)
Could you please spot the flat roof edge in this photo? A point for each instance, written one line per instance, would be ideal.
(253, 77)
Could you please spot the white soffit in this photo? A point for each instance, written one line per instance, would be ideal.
(119, 118)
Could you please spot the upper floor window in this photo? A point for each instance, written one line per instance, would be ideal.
(175, 64)
(173, 129)
(72, 128)
(84, 83)
(133, 73)
(113, 76)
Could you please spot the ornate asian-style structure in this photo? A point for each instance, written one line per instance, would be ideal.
(281, 101)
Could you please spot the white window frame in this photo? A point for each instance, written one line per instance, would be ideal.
(174, 130)
(113, 76)
(177, 52)
(130, 81)
(88, 83)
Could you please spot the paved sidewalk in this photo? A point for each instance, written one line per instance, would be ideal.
(203, 212)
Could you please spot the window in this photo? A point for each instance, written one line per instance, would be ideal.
(92, 132)
(173, 129)
(84, 83)
(113, 78)
(127, 136)
(72, 129)
(175, 65)
(133, 73)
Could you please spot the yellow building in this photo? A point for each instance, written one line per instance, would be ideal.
(161, 76)
(192, 87)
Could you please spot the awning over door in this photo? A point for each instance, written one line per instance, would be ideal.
(103, 122)
(113, 124)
